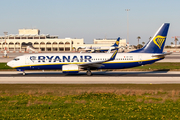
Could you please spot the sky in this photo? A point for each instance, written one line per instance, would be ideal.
(91, 19)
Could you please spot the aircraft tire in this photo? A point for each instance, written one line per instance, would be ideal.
(88, 73)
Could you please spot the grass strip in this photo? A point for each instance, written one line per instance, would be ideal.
(72, 89)
(90, 106)
(107, 101)
(3, 66)
(160, 66)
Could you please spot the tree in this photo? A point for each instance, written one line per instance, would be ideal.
(175, 41)
(139, 46)
(138, 39)
(167, 46)
(171, 43)
(143, 43)
(150, 38)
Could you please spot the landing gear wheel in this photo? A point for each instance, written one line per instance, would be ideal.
(24, 73)
(88, 73)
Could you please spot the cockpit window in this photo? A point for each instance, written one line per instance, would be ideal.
(16, 59)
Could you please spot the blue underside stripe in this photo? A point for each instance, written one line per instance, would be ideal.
(104, 66)
(70, 71)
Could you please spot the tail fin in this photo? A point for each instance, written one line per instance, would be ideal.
(116, 44)
(156, 44)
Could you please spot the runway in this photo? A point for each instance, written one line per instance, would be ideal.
(133, 77)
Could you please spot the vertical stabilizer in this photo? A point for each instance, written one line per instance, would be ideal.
(156, 44)
(116, 44)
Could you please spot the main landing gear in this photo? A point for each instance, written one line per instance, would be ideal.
(88, 73)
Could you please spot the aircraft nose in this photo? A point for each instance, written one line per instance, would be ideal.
(10, 64)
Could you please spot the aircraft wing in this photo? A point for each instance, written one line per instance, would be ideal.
(161, 55)
(98, 63)
(92, 65)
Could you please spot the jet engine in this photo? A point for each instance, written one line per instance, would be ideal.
(70, 68)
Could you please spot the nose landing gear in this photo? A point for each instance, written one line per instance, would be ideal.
(24, 73)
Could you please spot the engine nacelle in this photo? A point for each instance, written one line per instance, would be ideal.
(70, 68)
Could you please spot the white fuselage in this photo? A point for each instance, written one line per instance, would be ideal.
(52, 60)
(104, 48)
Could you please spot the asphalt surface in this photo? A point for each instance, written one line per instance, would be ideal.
(40, 77)
(94, 74)
(154, 77)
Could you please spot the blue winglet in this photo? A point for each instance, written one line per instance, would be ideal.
(114, 55)
(116, 44)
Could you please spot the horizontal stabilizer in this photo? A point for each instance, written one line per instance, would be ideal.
(161, 55)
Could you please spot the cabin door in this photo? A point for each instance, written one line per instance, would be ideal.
(140, 59)
(27, 60)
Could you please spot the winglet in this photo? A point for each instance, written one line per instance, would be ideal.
(114, 55)
(98, 63)
(116, 44)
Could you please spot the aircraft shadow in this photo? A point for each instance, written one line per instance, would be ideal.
(94, 74)
(101, 73)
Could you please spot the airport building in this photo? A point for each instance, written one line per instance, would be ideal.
(45, 42)
(100, 42)
(39, 42)
(110, 41)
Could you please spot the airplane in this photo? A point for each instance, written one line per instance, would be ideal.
(28, 48)
(75, 62)
(103, 48)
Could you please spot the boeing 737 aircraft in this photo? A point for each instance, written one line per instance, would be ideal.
(75, 62)
(104, 48)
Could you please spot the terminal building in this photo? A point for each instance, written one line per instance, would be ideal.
(39, 42)
(46, 42)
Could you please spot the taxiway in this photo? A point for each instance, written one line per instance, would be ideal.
(39, 77)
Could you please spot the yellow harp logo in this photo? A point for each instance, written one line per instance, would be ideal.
(117, 42)
(159, 40)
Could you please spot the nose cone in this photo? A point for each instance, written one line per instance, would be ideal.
(10, 64)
